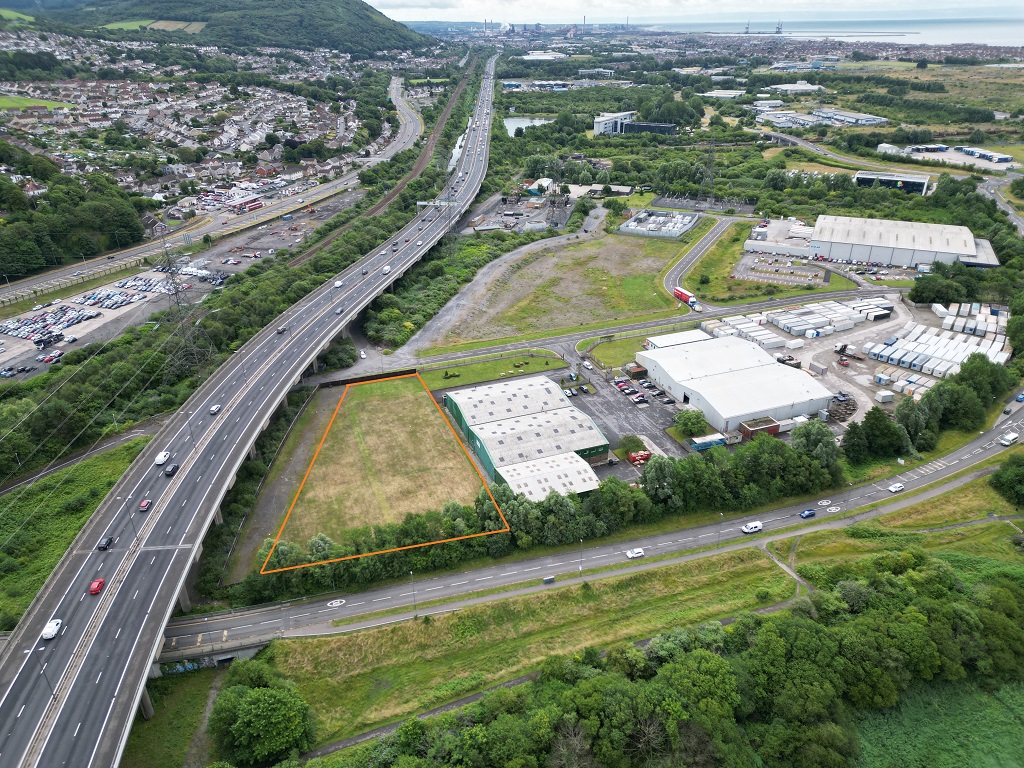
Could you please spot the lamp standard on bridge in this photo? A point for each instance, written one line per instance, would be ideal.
(188, 422)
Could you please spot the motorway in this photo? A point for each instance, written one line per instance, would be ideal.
(71, 700)
(191, 636)
(222, 223)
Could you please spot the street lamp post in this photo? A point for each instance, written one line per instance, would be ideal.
(42, 670)
(721, 522)
(415, 612)
(581, 558)
(191, 434)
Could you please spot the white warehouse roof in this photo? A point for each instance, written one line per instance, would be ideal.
(507, 399)
(760, 389)
(698, 360)
(563, 473)
(896, 234)
(675, 339)
(537, 435)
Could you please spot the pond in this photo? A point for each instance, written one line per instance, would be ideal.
(511, 123)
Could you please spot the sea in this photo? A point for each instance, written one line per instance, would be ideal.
(986, 31)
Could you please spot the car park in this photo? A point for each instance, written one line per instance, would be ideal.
(584, 389)
(807, 513)
(668, 401)
(896, 487)
(753, 527)
(96, 586)
(145, 504)
(214, 410)
(629, 391)
(171, 470)
(51, 629)
(632, 554)
(573, 377)
(639, 399)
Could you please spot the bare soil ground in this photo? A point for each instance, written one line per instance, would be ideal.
(562, 286)
(388, 453)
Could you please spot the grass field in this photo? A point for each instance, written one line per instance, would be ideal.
(612, 354)
(488, 370)
(357, 681)
(10, 15)
(178, 703)
(138, 24)
(20, 102)
(972, 501)
(719, 262)
(192, 27)
(946, 725)
(387, 453)
(42, 519)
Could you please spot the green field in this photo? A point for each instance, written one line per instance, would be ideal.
(490, 370)
(39, 522)
(6, 13)
(356, 681)
(358, 480)
(138, 24)
(972, 501)
(178, 704)
(20, 102)
(719, 262)
(946, 725)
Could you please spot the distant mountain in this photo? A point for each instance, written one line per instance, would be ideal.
(350, 26)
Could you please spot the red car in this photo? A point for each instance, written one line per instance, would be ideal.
(144, 505)
(96, 586)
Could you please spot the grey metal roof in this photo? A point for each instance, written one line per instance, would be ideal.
(884, 233)
(506, 399)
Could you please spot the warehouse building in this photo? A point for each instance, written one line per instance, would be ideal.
(732, 381)
(898, 243)
(908, 182)
(525, 431)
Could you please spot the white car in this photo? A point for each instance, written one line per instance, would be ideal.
(634, 553)
(162, 457)
(51, 629)
(896, 487)
(588, 365)
(753, 527)
(419, 242)
(362, 354)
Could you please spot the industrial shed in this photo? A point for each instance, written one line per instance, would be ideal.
(731, 380)
(563, 473)
(899, 243)
(526, 430)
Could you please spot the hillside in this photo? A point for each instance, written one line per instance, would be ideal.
(350, 26)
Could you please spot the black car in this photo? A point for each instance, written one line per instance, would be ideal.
(171, 470)
(105, 543)
(669, 401)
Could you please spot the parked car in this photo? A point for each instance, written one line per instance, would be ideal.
(753, 527)
(584, 389)
(807, 513)
(634, 553)
(629, 391)
(1020, 398)
(669, 401)
(567, 392)
(96, 586)
(362, 355)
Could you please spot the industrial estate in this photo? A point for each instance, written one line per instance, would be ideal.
(490, 394)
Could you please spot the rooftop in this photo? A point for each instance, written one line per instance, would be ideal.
(896, 234)
(507, 399)
(563, 473)
(537, 435)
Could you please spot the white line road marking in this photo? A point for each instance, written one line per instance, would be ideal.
(532, 569)
(118, 633)
(245, 626)
(99, 676)
(594, 557)
(21, 710)
(431, 589)
(485, 578)
(76, 730)
(301, 614)
(459, 583)
(701, 536)
(378, 599)
(354, 604)
(510, 573)
(136, 594)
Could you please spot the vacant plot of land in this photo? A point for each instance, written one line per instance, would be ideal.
(192, 27)
(454, 375)
(612, 278)
(387, 452)
(136, 24)
(360, 680)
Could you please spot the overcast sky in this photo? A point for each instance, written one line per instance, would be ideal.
(597, 11)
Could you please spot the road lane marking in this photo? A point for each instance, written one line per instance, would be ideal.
(510, 573)
(378, 599)
(459, 583)
(485, 578)
(525, 570)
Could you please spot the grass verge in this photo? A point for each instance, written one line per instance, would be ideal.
(975, 500)
(463, 374)
(358, 681)
(178, 702)
(39, 522)
(945, 725)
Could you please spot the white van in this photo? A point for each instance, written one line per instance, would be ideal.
(752, 527)
(162, 457)
(1009, 438)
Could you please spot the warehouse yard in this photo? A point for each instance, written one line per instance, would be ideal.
(386, 452)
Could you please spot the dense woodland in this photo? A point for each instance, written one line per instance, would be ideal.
(72, 219)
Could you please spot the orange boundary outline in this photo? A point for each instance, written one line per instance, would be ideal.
(506, 529)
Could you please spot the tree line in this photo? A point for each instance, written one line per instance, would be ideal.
(757, 473)
(780, 691)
